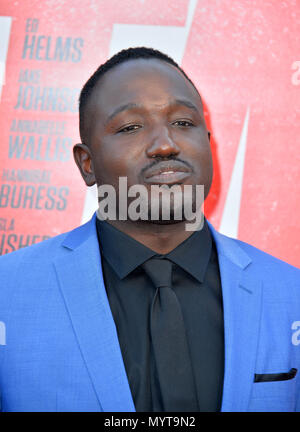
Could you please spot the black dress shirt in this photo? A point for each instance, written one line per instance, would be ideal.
(197, 284)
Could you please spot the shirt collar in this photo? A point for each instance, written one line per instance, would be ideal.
(125, 254)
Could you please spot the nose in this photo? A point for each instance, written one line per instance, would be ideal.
(162, 145)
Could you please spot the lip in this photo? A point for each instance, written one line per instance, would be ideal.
(167, 173)
(168, 178)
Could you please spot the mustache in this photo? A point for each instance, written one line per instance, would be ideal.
(160, 159)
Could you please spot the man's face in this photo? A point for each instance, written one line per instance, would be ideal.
(145, 122)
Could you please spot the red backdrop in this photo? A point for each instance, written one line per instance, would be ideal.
(242, 55)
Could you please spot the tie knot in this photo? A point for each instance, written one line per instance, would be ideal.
(159, 270)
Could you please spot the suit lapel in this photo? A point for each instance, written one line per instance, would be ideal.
(241, 290)
(81, 282)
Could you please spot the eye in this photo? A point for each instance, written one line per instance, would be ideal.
(183, 123)
(130, 128)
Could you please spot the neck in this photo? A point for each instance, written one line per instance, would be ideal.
(161, 238)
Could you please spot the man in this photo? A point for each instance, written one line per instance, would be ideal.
(142, 314)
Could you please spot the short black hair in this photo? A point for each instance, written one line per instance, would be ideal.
(120, 57)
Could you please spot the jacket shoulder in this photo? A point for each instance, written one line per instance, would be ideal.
(43, 253)
(276, 274)
(280, 280)
(37, 251)
(50, 248)
(269, 262)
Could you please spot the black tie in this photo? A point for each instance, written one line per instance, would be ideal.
(171, 352)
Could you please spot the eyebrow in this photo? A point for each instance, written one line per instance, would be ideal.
(132, 105)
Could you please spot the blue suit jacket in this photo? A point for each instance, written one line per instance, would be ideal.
(61, 349)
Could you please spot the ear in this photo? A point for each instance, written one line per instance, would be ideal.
(83, 159)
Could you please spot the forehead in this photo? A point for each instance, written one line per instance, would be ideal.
(150, 82)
